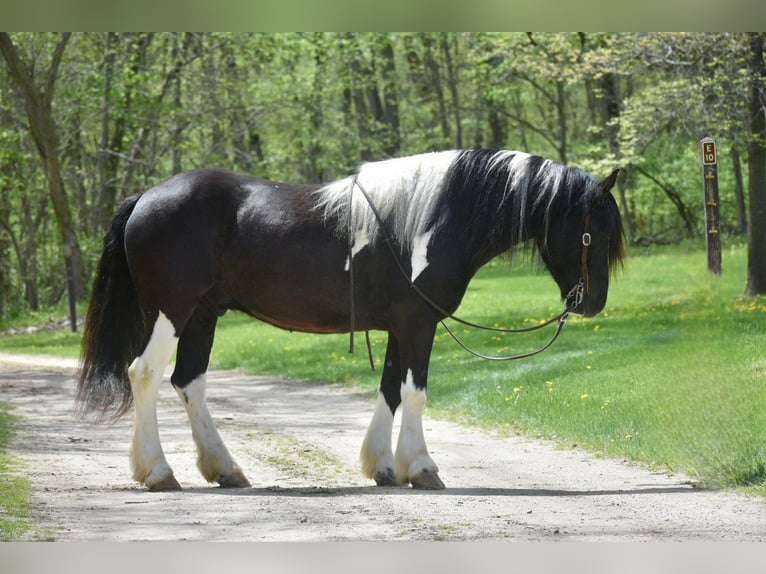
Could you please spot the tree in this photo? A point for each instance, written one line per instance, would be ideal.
(756, 263)
(38, 103)
(125, 57)
(425, 80)
(687, 86)
(601, 68)
(370, 98)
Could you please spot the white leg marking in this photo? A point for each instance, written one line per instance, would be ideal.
(376, 457)
(419, 260)
(412, 457)
(360, 242)
(147, 459)
(213, 458)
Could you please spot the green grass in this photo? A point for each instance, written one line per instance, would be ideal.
(14, 489)
(57, 343)
(672, 373)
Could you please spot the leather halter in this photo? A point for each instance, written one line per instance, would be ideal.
(586, 241)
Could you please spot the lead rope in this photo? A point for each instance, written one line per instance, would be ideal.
(576, 293)
(561, 322)
(352, 313)
(352, 310)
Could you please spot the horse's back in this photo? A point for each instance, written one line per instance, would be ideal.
(187, 194)
(228, 239)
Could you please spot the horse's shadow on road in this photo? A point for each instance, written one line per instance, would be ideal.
(318, 491)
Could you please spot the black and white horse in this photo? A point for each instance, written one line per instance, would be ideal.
(206, 241)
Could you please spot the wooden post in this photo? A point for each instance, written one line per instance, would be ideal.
(70, 288)
(712, 208)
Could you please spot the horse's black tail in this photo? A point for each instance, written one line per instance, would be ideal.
(114, 329)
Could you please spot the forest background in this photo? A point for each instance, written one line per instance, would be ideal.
(87, 119)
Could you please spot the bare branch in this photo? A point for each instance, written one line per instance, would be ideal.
(53, 70)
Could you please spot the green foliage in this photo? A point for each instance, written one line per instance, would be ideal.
(132, 108)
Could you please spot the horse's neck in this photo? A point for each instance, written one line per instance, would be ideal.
(488, 251)
(507, 231)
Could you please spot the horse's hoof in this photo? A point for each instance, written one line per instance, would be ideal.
(427, 480)
(386, 478)
(234, 480)
(165, 484)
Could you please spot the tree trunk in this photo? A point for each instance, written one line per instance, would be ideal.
(27, 256)
(4, 258)
(180, 127)
(37, 100)
(561, 117)
(142, 153)
(452, 84)
(675, 198)
(610, 111)
(518, 111)
(436, 84)
(756, 152)
(314, 143)
(739, 191)
(497, 135)
(111, 150)
(357, 98)
(108, 74)
(393, 140)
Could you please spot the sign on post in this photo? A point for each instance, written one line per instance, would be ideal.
(708, 151)
(712, 209)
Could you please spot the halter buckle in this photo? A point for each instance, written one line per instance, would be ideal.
(586, 239)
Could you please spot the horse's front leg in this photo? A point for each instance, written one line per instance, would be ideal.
(376, 456)
(412, 462)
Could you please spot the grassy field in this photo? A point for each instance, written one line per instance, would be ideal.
(672, 373)
(14, 488)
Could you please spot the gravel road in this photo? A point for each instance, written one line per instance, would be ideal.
(298, 443)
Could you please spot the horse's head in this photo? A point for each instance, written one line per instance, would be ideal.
(583, 243)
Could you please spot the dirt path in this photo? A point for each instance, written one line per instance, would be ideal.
(298, 444)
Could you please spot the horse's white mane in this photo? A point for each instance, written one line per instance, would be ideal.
(407, 191)
(403, 190)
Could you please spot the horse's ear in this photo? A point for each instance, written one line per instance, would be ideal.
(608, 183)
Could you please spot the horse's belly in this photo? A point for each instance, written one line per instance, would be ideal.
(311, 311)
(303, 285)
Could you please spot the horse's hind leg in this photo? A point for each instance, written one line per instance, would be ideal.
(146, 457)
(189, 379)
